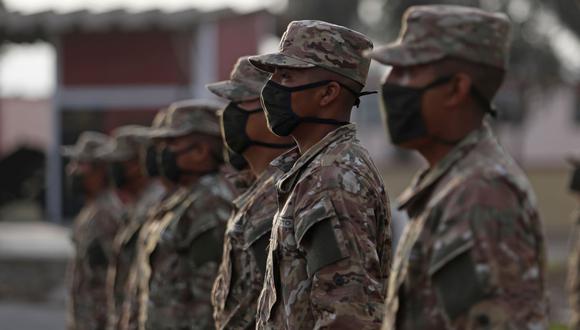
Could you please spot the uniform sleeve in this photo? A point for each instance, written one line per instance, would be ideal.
(487, 262)
(201, 233)
(341, 226)
(105, 225)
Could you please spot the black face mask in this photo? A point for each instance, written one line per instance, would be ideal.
(277, 103)
(575, 180)
(151, 165)
(76, 183)
(168, 161)
(118, 175)
(401, 106)
(234, 121)
(236, 160)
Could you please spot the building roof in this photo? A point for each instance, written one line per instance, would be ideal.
(22, 28)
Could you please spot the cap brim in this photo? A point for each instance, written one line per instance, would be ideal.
(164, 133)
(232, 91)
(270, 62)
(112, 155)
(68, 151)
(398, 54)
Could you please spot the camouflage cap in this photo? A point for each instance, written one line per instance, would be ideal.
(245, 82)
(159, 118)
(87, 147)
(157, 123)
(125, 143)
(190, 116)
(431, 33)
(308, 44)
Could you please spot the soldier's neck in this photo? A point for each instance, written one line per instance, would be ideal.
(307, 135)
(434, 152)
(137, 187)
(92, 195)
(189, 180)
(259, 158)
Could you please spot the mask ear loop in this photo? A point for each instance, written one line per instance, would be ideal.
(489, 106)
(356, 94)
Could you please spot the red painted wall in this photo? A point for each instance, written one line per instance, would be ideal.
(124, 58)
(239, 36)
(113, 118)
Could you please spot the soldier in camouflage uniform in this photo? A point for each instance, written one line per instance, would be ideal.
(241, 273)
(330, 247)
(126, 316)
(180, 246)
(574, 267)
(472, 256)
(126, 149)
(93, 232)
(241, 175)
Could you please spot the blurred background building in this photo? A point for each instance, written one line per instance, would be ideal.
(102, 67)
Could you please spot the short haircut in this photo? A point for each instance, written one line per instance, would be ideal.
(486, 79)
(325, 74)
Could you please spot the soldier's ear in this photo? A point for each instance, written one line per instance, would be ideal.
(330, 93)
(459, 90)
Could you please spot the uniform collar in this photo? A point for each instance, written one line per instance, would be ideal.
(183, 192)
(292, 163)
(249, 193)
(427, 178)
(176, 197)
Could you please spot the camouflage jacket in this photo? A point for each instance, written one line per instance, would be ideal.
(93, 233)
(124, 250)
(242, 180)
(330, 248)
(574, 274)
(128, 312)
(472, 255)
(182, 251)
(241, 273)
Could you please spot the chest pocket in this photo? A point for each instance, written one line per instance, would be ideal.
(315, 233)
(257, 239)
(453, 260)
(96, 255)
(203, 239)
(160, 235)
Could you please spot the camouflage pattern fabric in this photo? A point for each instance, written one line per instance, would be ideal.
(128, 312)
(87, 147)
(574, 274)
(472, 256)
(124, 251)
(187, 117)
(93, 233)
(434, 32)
(182, 251)
(245, 83)
(241, 273)
(125, 143)
(330, 249)
(309, 44)
(242, 180)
